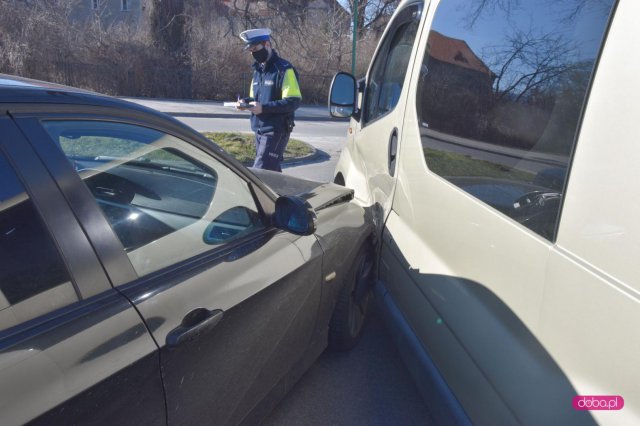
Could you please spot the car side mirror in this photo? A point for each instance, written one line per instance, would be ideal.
(343, 96)
(295, 215)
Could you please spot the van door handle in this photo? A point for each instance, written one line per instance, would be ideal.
(194, 324)
(393, 151)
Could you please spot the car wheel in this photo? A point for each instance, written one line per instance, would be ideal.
(349, 315)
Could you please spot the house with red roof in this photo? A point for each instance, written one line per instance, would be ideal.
(456, 83)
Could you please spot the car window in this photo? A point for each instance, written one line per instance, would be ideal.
(33, 277)
(501, 90)
(165, 199)
(390, 66)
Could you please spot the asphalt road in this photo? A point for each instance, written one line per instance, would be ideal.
(368, 385)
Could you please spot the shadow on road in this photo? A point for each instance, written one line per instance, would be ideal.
(368, 385)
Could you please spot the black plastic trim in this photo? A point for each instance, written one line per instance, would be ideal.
(444, 407)
(150, 285)
(85, 270)
(101, 235)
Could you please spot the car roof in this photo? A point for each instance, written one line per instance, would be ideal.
(14, 89)
(16, 81)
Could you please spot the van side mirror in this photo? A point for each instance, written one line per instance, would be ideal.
(343, 96)
(295, 215)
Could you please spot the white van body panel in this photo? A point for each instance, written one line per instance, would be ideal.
(601, 210)
(591, 308)
(589, 326)
(516, 323)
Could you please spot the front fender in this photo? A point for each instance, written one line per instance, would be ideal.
(354, 176)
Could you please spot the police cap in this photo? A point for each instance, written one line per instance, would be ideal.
(254, 36)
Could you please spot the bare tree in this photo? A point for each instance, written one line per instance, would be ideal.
(169, 26)
(31, 36)
(570, 9)
(477, 8)
(527, 61)
(373, 15)
(180, 48)
(576, 7)
(315, 39)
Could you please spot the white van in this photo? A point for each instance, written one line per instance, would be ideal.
(498, 144)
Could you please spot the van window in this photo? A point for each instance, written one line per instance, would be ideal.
(390, 66)
(500, 95)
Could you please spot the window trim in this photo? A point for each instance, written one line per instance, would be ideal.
(382, 50)
(78, 255)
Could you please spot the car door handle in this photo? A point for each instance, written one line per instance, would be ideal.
(194, 324)
(393, 151)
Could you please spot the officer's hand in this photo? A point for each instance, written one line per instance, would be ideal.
(256, 108)
(241, 108)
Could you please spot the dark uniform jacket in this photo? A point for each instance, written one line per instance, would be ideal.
(268, 87)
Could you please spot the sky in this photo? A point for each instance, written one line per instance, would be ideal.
(540, 16)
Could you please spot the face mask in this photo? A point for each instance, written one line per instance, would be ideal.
(260, 55)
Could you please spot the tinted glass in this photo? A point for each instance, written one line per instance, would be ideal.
(500, 95)
(388, 71)
(33, 278)
(159, 194)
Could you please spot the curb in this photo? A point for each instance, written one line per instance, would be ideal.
(304, 158)
(293, 160)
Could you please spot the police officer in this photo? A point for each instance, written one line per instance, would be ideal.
(273, 97)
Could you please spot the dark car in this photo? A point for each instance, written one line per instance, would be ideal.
(149, 278)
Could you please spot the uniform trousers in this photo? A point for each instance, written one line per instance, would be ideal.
(270, 150)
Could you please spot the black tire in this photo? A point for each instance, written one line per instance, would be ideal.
(349, 315)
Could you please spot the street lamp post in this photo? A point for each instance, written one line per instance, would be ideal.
(355, 35)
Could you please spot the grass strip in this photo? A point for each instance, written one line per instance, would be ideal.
(242, 146)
